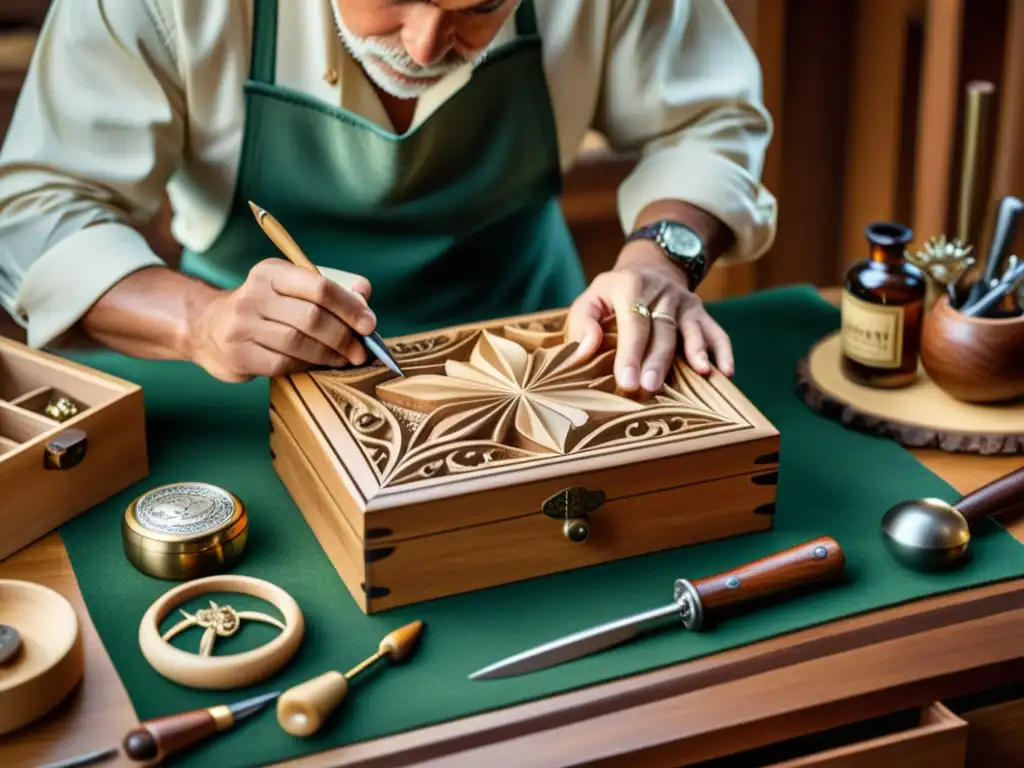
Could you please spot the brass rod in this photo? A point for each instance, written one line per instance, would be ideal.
(973, 175)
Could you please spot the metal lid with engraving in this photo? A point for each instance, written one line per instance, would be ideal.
(184, 519)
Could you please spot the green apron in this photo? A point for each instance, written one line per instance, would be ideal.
(456, 221)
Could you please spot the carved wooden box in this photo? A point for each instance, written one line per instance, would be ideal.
(497, 458)
(55, 463)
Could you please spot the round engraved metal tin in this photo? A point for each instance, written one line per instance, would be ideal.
(185, 531)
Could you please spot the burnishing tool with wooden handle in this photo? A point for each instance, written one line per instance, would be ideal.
(814, 562)
(155, 740)
(302, 710)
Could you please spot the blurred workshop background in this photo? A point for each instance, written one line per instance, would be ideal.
(868, 98)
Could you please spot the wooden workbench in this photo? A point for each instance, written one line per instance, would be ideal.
(913, 656)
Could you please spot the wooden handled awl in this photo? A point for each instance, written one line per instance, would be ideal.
(302, 710)
(155, 740)
(813, 562)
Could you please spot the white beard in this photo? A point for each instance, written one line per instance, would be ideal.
(392, 69)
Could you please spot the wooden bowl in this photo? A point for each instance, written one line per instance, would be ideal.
(974, 359)
(51, 659)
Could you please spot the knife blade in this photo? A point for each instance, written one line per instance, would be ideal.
(812, 563)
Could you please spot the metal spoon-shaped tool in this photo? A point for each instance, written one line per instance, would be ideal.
(931, 534)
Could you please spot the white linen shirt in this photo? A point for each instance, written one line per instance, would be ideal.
(125, 100)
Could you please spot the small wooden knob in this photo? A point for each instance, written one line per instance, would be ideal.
(302, 709)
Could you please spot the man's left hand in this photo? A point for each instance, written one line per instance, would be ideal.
(647, 346)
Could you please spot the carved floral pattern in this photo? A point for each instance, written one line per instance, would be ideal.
(511, 397)
(476, 399)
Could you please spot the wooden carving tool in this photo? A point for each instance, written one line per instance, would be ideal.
(301, 710)
(287, 245)
(155, 740)
(813, 562)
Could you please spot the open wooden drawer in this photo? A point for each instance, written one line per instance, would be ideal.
(928, 737)
(53, 468)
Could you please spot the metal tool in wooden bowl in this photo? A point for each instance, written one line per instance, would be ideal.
(10, 642)
(993, 300)
(1007, 220)
(302, 710)
(973, 359)
(694, 603)
(46, 658)
(931, 534)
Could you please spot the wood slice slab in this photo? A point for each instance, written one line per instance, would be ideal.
(918, 416)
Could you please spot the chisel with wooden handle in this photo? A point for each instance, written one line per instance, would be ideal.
(694, 603)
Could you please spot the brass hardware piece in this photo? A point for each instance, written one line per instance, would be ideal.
(66, 449)
(571, 505)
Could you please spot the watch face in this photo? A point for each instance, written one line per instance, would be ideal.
(682, 241)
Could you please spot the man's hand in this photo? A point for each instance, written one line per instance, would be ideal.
(282, 319)
(646, 347)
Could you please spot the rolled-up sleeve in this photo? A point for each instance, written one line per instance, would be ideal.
(95, 135)
(682, 88)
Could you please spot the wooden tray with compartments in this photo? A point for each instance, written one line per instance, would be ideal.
(50, 470)
(499, 458)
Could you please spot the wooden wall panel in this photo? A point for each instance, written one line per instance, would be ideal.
(940, 81)
(807, 156)
(1008, 166)
(873, 159)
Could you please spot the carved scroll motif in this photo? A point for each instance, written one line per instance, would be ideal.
(377, 431)
(492, 398)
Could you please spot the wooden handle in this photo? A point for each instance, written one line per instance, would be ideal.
(399, 643)
(997, 496)
(302, 709)
(156, 739)
(279, 236)
(809, 563)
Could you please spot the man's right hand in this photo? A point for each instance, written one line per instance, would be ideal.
(281, 320)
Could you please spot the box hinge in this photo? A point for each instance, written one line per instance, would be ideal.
(571, 506)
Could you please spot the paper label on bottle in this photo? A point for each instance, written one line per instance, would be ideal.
(872, 334)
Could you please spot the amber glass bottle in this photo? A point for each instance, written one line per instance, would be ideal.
(882, 311)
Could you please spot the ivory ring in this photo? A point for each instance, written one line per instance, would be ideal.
(236, 670)
(641, 309)
(668, 318)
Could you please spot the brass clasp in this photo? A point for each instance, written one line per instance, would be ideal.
(571, 505)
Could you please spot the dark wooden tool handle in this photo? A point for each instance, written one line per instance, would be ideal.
(167, 735)
(809, 563)
(1001, 494)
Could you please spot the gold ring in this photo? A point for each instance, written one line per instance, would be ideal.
(664, 316)
(61, 409)
(641, 309)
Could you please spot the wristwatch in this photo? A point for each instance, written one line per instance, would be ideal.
(681, 244)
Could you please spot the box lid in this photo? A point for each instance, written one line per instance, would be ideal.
(488, 410)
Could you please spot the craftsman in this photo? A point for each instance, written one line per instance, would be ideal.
(413, 148)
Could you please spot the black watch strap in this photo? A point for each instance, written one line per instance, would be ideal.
(681, 244)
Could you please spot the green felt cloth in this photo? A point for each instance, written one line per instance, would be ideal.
(832, 482)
